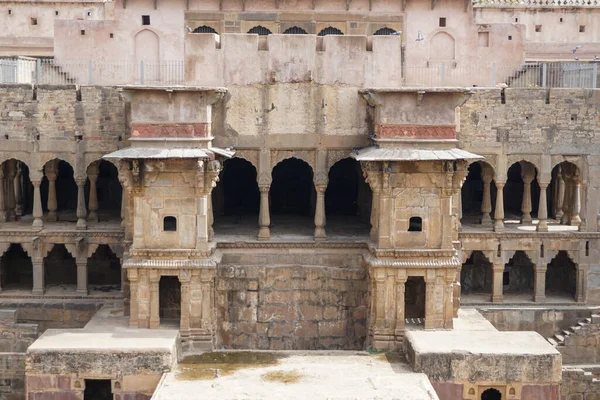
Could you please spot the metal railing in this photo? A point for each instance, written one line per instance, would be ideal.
(167, 73)
(536, 3)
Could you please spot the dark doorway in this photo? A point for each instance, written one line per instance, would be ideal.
(66, 188)
(97, 389)
(518, 277)
(514, 189)
(292, 191)
(109, 192)
(104, 270)
(476, 275)
(491, 394)
(414, 297)
(16, 269)
(237, 192)
(60, 267)
(170, 300)
(561, 275)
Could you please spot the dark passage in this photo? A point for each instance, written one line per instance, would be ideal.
(169, 299)
(97, 389)
(414, 297)
(491, 394)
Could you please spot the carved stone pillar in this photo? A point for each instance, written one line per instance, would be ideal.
(38, 277)
(499, 213)
(497, 285)
(210, 218)
(184, 278)
(320, 219)
(568, 197)
(124, 195)
(82, 276)
(542, 225)
(527, 173)
(400, 306)
(374, 215)
(133, 295)
(11, 173)
(37, 204)
(576, 207)
(81, 211)
(51, 172)
(264, 216)
(560, 194)
(581, 279)
(539, 283)
(93, 198)
(19, 190)
(154, 299)
(486, 203)
(2, 201)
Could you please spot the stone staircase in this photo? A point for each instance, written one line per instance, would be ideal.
(560, 338)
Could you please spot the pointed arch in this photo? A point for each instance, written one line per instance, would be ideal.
(442, 47)
(476, 275)
(16, 268)
(384, 32)
(330, 30)
(295, 30)
(60, 267)
(260, 30)
(104, 269)
(205, 29)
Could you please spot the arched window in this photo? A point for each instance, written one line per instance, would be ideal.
(330, 31)
(384, 31)
(294, 30)
(260, 30)
(170, 224)
(491, 394)
(205, 29)
(415, 224)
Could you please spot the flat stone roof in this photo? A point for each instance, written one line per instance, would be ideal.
(480, 342)
(302, 375)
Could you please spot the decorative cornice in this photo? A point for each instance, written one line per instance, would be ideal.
(177, 253)
(391, 253)
(529, 235)
(292, 245)
(112, 234)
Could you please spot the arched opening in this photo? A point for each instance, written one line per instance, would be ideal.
(521, 175)
(109, 193)
(491, 394)
(59, 191)
(205, 29)
(292, 197)
(476, 277)
(414, 300)
(330, 31)
(18, 190)
(169, 305)
(147, 57)
(295, 30)
(236, 198)
(104, 270)
(384, 32)
(442, 47)
(473, 194)
(561, 276)
(518, 277)
(16, 269)
(60, 270)
(260, 30)
(347, 198)
(561, 191)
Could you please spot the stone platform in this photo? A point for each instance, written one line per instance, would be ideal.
(294, 375)
(521, 364)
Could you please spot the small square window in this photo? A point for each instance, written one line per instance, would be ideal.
(33, 21)
(415, 224)
(9, 12)
(170, 224)
(56, 13)
(509, 37)
(443, 22)
(82, 32)
(581, 28)
(112, 36)
(516, 19)
(89, 13)
(538, 28)
(561, 20)
(145, 20)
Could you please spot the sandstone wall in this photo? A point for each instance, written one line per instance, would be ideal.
(583, 345)
(52, 313)
(579, 384)
(292, 307)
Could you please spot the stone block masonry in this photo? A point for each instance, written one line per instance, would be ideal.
(579, 384)
(290, 308)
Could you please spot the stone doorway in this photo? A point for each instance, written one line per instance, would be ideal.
(518, 277)
(414, 300)
(491, 394)
(16, 269)
(97, 389)
(561, 277)
(60, 268)
(169, 307)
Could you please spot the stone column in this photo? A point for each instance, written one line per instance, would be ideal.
(185, 305)
(542, 225)
(38, 277)
(11, 172)
(560, 194)
(124, 199)
(539, 283)
(576, 206)
(93, 198)
(82, 276)
(264, 216)
(374, 215)
(527, 174)
(581, 279)
(320, 219)
(567, 199)
(154, 300)
(37, 204)
(2, 202)
(19, 190)
(81, 211)
(210, 218)
(133, 295)
(486, 202)
(497, 286)
(400, 317)
(499, 213)
(50, 170)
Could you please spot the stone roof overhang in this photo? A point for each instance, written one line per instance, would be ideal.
(375, 153)
(168, 153)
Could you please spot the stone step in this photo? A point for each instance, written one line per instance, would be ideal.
(596, 319)
(559, 338)
(588, 320)
(566, 332)
(552, 341)
(575, 328)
